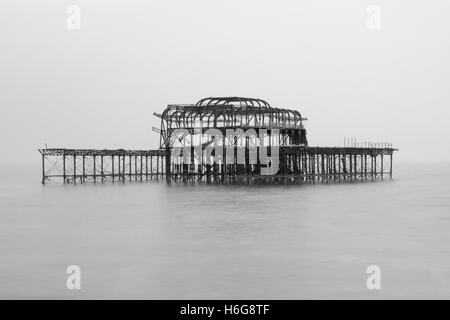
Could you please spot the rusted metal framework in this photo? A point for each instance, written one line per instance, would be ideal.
(186, 157)
(297, 165)
(231, 113)
(88, 165)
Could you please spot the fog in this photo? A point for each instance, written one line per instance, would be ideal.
(98, 87)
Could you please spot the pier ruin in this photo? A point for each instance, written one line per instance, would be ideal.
(223, 140)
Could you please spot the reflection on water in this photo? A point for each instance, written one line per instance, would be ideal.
(151, 240)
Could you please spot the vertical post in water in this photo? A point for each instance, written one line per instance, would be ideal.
(375, 165)
(390, 167)
(351, 167)
(339, 165)
(361, 169)
(64, 166)
(74, 168)
(140, 172)
(43, 168)
(84, 169)
(119, 166)
(101, 168)
(372, 162)
(129, 169)
(151, 167)
(112, 168)
(123, 168)
(146, 167)
(135, 167)
(95, 170)
(321, 168)
(157, 167)
(168, 164)
(365, 165)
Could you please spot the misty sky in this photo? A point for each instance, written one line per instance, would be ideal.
(98, 87)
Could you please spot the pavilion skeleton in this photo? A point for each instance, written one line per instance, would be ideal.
(220, 140)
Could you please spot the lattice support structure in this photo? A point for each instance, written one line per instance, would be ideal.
(81, 166)
(297, 164)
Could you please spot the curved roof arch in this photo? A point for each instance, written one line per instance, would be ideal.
(251, 111)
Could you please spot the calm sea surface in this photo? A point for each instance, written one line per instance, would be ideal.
(151, 240)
